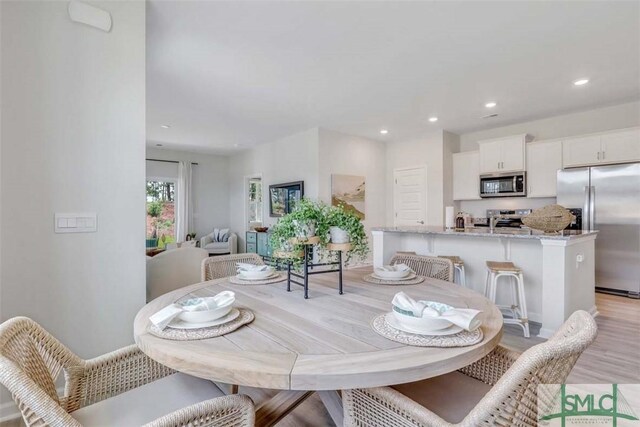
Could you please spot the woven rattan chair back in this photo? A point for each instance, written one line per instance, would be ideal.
(513, 399)
(30, 362)
(217, 267)
(427, 266)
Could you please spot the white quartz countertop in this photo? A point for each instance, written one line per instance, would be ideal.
(485, 232)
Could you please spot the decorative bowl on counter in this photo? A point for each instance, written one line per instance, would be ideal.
(550, 219)
(260, 229)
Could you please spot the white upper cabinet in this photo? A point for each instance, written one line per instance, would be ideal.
(623, 146)
(581, 151)
(466, 175)
(544, 159)
(490, 156)
(503, 154)
(609, 147)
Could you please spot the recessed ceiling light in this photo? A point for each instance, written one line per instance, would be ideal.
(433, 119)
(236, 145)
(581, 82)
(384, 131)
(490, 104)
(165, 126)
(158, 145)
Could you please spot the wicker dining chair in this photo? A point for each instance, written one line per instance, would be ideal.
(427, 266)
(31, 360)
(510, 378)
(218, 267)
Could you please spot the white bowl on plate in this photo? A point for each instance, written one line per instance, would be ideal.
(385, 274)
(256, 275)
(426, 323)
(222, 308)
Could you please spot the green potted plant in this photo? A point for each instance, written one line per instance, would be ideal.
(308, 219)
(154, 210)
(346, 227)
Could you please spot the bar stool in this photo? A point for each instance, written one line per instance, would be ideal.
(458, 265)
(518, 307)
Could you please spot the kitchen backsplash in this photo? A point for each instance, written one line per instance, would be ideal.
(478, 208)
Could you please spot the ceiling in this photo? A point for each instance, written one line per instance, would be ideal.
(229, 75)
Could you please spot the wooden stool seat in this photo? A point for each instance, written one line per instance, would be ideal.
(456, 260)
(502, 266)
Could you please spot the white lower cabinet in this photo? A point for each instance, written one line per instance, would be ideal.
(466, 175)
(544, 159)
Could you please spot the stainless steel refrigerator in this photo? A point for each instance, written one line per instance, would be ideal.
(609, 197)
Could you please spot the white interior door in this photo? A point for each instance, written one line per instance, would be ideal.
(410, 196)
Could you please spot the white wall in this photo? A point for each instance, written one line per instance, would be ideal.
(597, 120)
(73, 140)
(294, 158)
(425, 150)
(345, 154)
(210, 182)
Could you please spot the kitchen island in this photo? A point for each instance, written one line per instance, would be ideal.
(559, 269)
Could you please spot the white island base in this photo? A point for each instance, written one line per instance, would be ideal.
(559, 270)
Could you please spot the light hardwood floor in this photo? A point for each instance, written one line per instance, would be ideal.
(612, 358)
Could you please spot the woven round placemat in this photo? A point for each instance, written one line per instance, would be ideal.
(237, 281)
(461, 339)
(369, 278)
(246, 316)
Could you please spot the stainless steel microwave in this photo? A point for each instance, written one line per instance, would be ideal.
(503, 185)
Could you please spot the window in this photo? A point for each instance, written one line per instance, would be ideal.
(255, 200)
(161, 217)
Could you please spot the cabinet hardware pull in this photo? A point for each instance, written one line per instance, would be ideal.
(603, 155)
(598, 155)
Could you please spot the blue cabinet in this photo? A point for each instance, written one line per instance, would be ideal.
(258, 243)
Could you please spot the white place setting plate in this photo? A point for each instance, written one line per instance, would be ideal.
(411, 276)
(394, 323)
(273, 275)
(177, 323)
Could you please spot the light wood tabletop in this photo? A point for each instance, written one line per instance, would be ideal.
(323, 343)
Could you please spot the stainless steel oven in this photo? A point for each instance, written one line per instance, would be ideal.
(503, 185)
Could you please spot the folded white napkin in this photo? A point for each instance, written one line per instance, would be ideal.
(251, 267)
(466, 318)
(396, 267)
(163, 317)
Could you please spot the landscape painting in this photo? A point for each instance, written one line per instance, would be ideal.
(349, 191)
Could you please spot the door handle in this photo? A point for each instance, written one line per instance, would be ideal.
(586, 213)
(420, 222)
(592, 208)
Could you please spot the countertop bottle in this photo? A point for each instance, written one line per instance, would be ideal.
(460, 222)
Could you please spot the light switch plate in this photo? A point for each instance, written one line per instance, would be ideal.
(75, 222)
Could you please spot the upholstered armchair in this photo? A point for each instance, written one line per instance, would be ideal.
(220, 248)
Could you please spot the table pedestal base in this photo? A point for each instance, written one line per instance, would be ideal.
(279, 406)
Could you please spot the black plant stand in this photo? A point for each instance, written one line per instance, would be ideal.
(308, 267)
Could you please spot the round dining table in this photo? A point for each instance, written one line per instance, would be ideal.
(322, 344)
